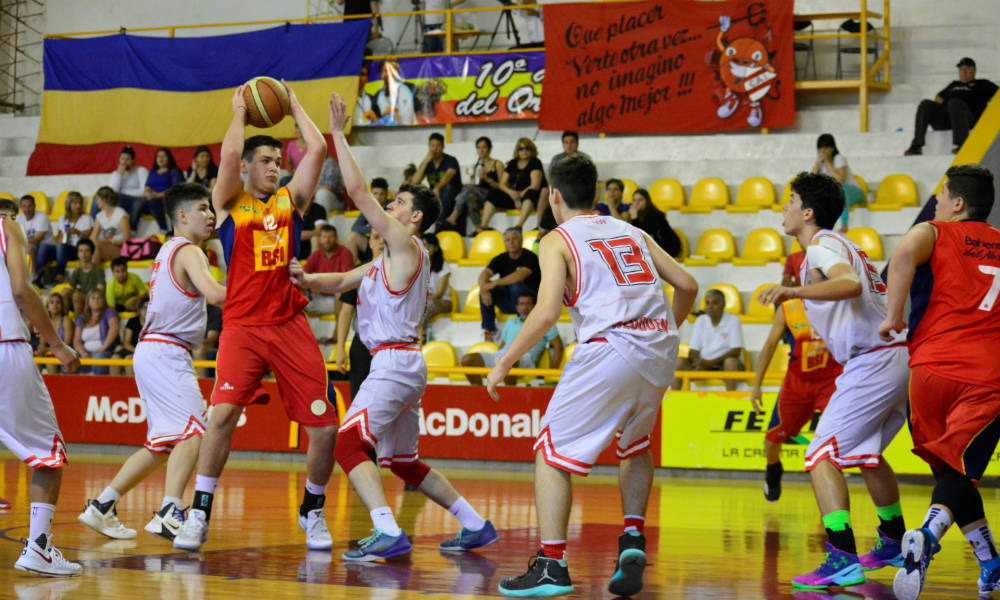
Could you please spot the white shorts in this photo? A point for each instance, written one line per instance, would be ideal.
(168, 388)
(387, 408)
(28, 425)
(865, 412)
(599, 398)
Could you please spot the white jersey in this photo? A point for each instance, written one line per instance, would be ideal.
(849, 327)
(174, 315)
(618, 295)
(12, 327)
(386, 316)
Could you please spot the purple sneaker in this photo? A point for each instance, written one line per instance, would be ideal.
(378, 546)
(886, 553)
(468, 539)
(838, 569)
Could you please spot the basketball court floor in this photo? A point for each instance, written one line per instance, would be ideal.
(707, 538)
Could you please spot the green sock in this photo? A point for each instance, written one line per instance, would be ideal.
(839, 532)
(838, 520)
(891, 520)
(887, 513)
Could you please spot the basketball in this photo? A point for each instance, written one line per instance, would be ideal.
(267, 101)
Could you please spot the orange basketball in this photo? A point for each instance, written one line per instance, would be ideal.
(267, 101)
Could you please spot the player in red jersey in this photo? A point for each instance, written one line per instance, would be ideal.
(951, 266)
(264, 326)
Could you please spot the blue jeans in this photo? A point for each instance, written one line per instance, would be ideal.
(97, 369)
(45, 254)
(505, 299)
(154, 207)
(124, 201)
(64, 254)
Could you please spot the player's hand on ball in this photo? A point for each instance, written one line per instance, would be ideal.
(67, 356)
(496, 375)
(293, 100)
(238, 101)
(296, 273)
(889, 326)
(338, 113)
(775, 294)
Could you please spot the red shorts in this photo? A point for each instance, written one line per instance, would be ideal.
(800, 397)
(952, 423)
(288, 349)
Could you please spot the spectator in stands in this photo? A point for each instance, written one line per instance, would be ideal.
(294, 152)
(716, 341)
(330, 257)
(644, 215)
(525, 304)
(484, 184)
(133, 327)
(571, 147)
(533, 27)
(438, 286)
(829, 161)
(125, 290)
(408, 172)
(330, 187)
(96, 334)
(313, 218)
(87, 278)
(73, 226)
(209, 348)
(522, 180)
(956, 107)
(434, 23)
(612, 205)
(203, 168)
(164, 176)
(55, 307)
(357, 238)
(111, 226)
(442, 173)
(128, 180)
(38, 231)
(8, 209)
(518, 272)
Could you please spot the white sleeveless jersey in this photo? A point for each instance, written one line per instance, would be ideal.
(618, 295)
(12, 326)
(849, 327)
(174, 315)
(392, 317)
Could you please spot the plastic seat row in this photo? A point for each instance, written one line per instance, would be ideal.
(440, 353)
(766, 245)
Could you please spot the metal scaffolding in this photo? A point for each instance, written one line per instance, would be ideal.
(21, 23)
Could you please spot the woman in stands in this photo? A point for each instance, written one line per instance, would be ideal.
(96, 334)
(644, 215)
(484, 184)
(133, 327)
(203, 168)
(439, 300)
(521, 182)
(163, 176)
(55, 307)
(829, 161)
(111, 226)
(73, 225)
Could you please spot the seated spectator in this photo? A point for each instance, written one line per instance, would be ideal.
(521, 181)
(716, 341)
(442, 173)
(313, 217)
(96, 334)
(203, 168)
(357, 238)
(571, 147)
(532, 25)
(294, 152)
(408, 172)
(111, 226)
(829, 161)
(87, 278)
(438, 286)
(128, 181)
(486, 175)
(73, 226)
(525, 304)
(133, 327)
(38, 231)
(8, 209)
(55, 307)
(518, 272)
(125, 290)
(957, 107)
(209, 347)
(644, 215)
(164, 176)
(330, 257)
(612, 205)
(330, 187)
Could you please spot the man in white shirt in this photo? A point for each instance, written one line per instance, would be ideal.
(38, 230)
(716, 342)
(128, 179)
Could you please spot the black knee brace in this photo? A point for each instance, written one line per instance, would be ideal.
(959, 494)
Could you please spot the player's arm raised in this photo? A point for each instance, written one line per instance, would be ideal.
(764, 359)
(914, 249)
(192, 263)
(685, 285)
(307, 172)
(228, 184)
(327, 283)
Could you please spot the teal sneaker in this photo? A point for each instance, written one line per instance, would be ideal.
(545, 577)
(378, 546)
(468, 539)
(627, 579)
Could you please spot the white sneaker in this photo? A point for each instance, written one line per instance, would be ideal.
(193, 532)
(105, 523)
(317, 535)
(46, 561)
(166, 522)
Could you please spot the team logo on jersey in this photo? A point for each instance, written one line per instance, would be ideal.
(269, 249)
(284, 203)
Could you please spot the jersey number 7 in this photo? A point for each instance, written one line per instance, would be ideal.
(624, 257)
(991, 295)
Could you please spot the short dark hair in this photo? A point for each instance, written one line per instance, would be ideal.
(621, 184)
(328, 227)
(571, 134)
(826, 141)
(528, 294)
(119, 261)
(380, 182)
(127, 150)
(435, 136)
(28, 197)
(251, 144)
(576, 179)
(483, 138)
(437, 258)
(6, 204)
(85, 242)
(718, 293)
(974, 184)
(823, 194)
(425, 201)
(181, 195)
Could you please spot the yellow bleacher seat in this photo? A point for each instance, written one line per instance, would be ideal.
(734, 303)
(786, 195)
(470, 310)
(630, 188)
(42, 203)
(58, 288)
(439, 354)
(217, 274)
(347, 348)
(796, 246)
(666, 194)
(452, 245)
(8, 196)
(478, 347)
(869, 240)
(160, 236)
(895, 191)
(762, 246)
(708, 194)
(454, 304)
(529, 239)
(754, 194)
(669, 291)
(685, 247)
(566, 357)
(864, 188)
(485, 246)
(683, 350)
(352, 214)
(59, 206)
(778, 365)
(714, 246)
(757, 312)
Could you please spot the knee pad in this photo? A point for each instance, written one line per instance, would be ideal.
(351, 450)
(959, 494)
(412, 473)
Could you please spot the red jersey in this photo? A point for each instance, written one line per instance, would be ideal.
(259, 239)
(955, 313)
(809, 352)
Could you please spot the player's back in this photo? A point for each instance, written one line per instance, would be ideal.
(618, 294)
(955, 313)
(174, 315)
(387, 316)
(12, 327)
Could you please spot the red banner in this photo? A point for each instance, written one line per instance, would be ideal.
(668, 66)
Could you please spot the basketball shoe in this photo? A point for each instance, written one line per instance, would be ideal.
(886, 553)
(193, 532)
(839, 568)
(918, 547)
(772, 482)
(627, 579)
(41, 557)
(468, 539)
(167, 522)
(317, 534)
(989, 575)
(378, 546)
(545, 577)
(103, 518)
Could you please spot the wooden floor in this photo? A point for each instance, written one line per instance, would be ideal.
(707, 538)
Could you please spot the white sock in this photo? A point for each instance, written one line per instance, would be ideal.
(171, 500)
(205, 484)
(982, 544)
(383, 519)
(109, 495)
(41, 520)
(466, 515)
(315, 489)
(937, 521)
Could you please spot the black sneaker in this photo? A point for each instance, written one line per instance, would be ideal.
(545, 577)
(627, 579)
(913, 151)
(772, 482)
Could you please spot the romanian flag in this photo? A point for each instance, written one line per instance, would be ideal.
(102, 93)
